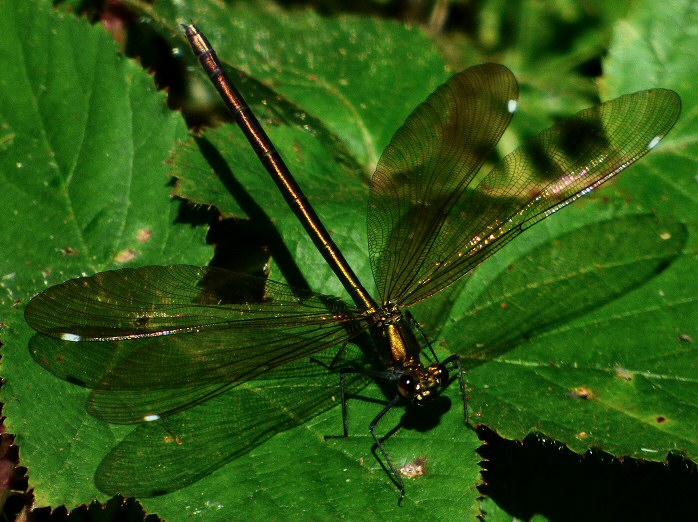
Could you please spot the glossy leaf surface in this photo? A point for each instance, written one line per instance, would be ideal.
(63, 446)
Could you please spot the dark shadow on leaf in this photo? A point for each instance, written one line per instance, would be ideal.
(539, 476)
(425, 418)
(240, 245)
(263, 225)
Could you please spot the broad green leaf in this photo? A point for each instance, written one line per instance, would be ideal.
(613, 290)
(296, 472)
(560, 348)
(84, 149)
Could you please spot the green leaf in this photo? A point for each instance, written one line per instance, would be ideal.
(572, 359)
(85, 141)
(97, 115)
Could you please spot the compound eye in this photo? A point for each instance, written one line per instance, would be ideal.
(407, 385)
(440, 374)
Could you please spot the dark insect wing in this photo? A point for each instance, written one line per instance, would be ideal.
(548, 172)
(429, 161)
(164, 300)
(178, 335)
(194, 443)
(545, 174)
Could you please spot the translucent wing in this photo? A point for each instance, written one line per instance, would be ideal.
(194, 443)
(553, 169)
(429, 161)
(175, 336)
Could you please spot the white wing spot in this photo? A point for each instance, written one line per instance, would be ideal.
(70, 337)
(512, 105)
(653, 142)
(151, 418)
